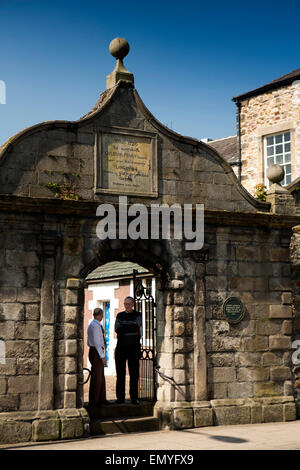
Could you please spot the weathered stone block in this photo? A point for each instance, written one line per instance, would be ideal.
(29, 295)
(9, 402)
(280, 311)
(248, 359)
(21, 258)
(45, 430)
(28, 401)
(70, 330)
(280, 373)
(69, 413)
(8, 367)
(21, 348)
(240, 390)
(71, 347)
(70, 399)
(288, 388)
(253, 374)
(27, 366)
(3, 386)
(267, 327)
(70, 382)
(72, 297)
(203, 417)
(22, 384)
(70, 314)
(176, 284)
(183, 345)
(7, 330)
(183, 418)
(32, 312)
(272, 413)
(280, 342)
(73, 283)
(70, 365)
(179, 361)
(13, 311)
(256, 343)
(232, 415)
(179, 328)
(289, 412)
(221, 359)
(280, 284)
(287, 327)
(263, 389)
(221, 374)
(179, 298)
(286, 298)
(269, 359)
(8, 294)
(71, 428)
(256, 414)
(27, 330)
(14, 431)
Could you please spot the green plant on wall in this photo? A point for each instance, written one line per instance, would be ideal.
(68, 189)
(260, 192)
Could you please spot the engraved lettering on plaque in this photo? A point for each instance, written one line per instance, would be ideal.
(127, 163)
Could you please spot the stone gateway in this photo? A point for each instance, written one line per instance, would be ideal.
(53, 176)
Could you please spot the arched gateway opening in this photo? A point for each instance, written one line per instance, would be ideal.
(118, 269)
(106, 287)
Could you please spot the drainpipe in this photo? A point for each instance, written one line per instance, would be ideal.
(238, 121)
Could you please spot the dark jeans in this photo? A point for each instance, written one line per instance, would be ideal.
(132, 354)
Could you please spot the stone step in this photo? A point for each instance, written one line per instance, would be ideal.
(117, 411)
(124, 425)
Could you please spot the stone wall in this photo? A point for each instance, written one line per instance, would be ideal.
(268, 113)
(188, 171)
(49, 246)
(251, 358)
(245, 369)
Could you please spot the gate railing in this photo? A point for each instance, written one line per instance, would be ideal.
(144, 303)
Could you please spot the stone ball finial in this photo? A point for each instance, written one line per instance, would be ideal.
(119, 48)
(275, 173)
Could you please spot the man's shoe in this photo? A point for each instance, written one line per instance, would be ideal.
(135, 402)
(118, 402)
(104, 402)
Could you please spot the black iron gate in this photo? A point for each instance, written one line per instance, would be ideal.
(144, 303)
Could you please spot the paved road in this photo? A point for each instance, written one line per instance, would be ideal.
(267, 436)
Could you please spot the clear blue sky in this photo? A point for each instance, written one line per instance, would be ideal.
(189, 58)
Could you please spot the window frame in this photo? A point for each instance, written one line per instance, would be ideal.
(280, 131)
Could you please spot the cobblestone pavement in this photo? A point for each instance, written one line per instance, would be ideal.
(267, 436)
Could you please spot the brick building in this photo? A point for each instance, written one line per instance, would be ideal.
(268, 132)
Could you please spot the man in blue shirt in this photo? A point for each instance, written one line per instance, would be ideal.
(96, 342)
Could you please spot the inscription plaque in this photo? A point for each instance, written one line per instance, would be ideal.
(127, 163)
(233, 309)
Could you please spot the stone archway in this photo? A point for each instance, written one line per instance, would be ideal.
(146, 254)
(181, 348)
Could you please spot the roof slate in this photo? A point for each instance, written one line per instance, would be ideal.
(284, 80)
(115, 269)
(226, 147)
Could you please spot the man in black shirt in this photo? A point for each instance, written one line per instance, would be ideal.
(127, 326)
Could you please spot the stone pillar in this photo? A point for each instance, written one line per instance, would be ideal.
(295, 261)
(47, 318)
(282, 201)
(200, 369)
(73, 324)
